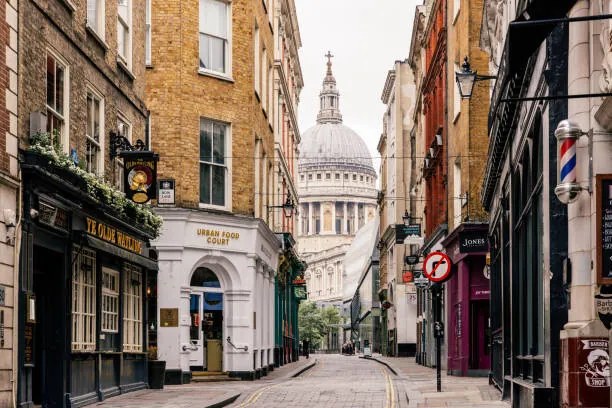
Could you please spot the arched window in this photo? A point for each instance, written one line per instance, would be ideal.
(206, 278)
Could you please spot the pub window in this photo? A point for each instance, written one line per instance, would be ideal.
(110, 300)
(94, 132)
(123, 129)
(83, 300)
(132, 308)
(57, 98)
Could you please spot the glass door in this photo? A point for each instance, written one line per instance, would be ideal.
(196, 355)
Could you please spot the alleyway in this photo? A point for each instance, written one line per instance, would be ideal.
(335, 381)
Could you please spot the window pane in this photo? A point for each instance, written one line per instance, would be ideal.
(213, 18)
(89, 115)
(218, 185)
(219, 143)
(92, 12)
(217, 54)
(204, 51)
(122, 9)
(50, 81)
(121, 39)
(205, 141)
(205, 183)
(96, 120)
(59, 89)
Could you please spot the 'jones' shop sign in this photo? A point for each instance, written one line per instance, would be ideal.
(473, 241)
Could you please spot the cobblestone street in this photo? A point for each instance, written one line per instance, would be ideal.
(336, 381)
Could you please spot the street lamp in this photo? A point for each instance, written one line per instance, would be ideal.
(466, 79)
(288, 207)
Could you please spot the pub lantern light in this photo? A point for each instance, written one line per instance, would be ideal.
(567, 133)
(466, 79)
(406, 218)
(288, 207)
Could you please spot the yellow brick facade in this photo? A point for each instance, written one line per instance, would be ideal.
(178, 95)
(467, 130)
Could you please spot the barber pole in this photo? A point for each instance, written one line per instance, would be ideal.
(567, 134)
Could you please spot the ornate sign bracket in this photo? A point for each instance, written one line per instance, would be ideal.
(120, 144)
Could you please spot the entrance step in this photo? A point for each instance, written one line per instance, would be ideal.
(211, 376)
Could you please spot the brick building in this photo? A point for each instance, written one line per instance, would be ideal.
(82, 295)
(223, 82)
(9, 210)
(467, 305)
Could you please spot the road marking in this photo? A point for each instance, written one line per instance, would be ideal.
(390, 401)
(256, 394)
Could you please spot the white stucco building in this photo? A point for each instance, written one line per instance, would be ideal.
(337, 191)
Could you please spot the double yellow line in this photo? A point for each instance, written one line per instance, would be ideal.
(255, 396)
(390, 402)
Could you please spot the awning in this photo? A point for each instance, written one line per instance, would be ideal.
(526, 33)
(119, 252)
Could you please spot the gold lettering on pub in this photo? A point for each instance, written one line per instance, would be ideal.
(112, 235)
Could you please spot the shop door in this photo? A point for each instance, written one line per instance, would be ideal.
(212, 325)
(49, 328)
(196, 355)
(480, 358)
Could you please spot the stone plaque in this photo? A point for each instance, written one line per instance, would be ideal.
(168, 317)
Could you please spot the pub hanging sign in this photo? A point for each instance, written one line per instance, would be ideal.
(140, 176)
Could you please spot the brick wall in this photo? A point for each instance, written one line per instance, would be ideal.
(178, 96)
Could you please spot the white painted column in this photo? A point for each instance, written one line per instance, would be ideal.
(344, 218)
(258, 300)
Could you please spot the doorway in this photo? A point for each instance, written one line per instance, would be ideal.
(48, 326)
(206, 330)
(479, 344)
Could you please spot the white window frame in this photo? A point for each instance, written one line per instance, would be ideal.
(132, 308)
(83, 300)
(264, 80)
(456, 8)
(257, 49)
(110, 300)
(227, 74)
(62, 118)
(228, 165)
(127, 133)
(126, 25)
(97, 23)
(148, 33)
(99, 169)
(456, 97)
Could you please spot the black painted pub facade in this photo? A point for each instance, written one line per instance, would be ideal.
(83, 301)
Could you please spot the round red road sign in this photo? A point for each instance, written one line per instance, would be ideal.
(437, 266)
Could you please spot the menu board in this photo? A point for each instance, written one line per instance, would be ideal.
(604, 229)
(28, 349)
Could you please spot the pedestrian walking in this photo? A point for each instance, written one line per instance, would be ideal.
(306, 348)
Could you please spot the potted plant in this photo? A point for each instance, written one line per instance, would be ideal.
(157, 369)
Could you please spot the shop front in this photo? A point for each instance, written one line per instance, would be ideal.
(215, 294)
(82, 299)
(467, 307)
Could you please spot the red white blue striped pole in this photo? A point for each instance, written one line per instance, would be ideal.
(567, 133)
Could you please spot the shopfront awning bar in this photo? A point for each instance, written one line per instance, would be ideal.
(556, 97)
(555, 21)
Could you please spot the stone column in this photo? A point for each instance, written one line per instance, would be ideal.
(321, 218)
(356, 211)
(333, 218)
(344, 218)
(310, 228)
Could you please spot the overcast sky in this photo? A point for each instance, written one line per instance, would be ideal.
(366, 37)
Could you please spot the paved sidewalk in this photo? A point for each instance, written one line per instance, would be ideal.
(419, 387)
(201, 395)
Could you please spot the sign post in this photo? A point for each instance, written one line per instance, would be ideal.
(437, 268)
